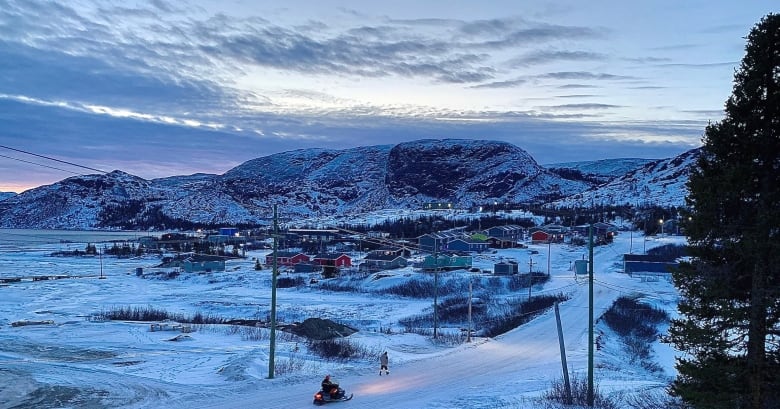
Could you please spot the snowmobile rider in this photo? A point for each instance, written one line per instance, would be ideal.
(330, 387)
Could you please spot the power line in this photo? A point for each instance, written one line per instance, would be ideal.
(50, 158)
(38, 164)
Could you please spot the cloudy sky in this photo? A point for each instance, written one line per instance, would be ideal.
(159, 88)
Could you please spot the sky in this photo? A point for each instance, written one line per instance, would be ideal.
(71, 361)
(161, 88)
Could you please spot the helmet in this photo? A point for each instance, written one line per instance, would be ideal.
(327, 376)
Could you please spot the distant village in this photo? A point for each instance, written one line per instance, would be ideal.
(333, 251)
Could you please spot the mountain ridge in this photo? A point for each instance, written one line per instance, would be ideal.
(305, 182)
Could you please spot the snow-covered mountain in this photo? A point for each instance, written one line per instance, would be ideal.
(305, 183)
(658, 183)
(597, 171)
(604, 167)
(6, 195)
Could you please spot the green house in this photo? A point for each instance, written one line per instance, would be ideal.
(446, 261)
(204, 263)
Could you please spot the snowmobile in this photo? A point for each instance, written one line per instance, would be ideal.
(322, 397)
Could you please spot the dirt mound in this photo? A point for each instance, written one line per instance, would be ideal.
(319, 329)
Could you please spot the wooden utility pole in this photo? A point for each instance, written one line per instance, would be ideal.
(590, 315)
(468, 337)
(435, 289)
(273, 298)
(566, 386)
(100, 255)
(530, 276)
(549, 254)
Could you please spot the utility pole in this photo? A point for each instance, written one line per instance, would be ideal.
(549, 254)
(530, 276)
(435, 289)
(566, 386)
(100, 255)
(468, 337)
(273, 298)
(590, 315)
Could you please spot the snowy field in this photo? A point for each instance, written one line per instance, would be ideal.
(66, 359)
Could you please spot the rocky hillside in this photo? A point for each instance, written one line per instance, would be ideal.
(658, 183)
(304, 183)
(6, 195)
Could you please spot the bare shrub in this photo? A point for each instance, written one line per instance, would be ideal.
(290, 282)
(150, 313)
(290, 365)
(339, 349)
(579, 394)
(654, 399)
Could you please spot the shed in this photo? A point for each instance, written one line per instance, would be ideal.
(507, 267)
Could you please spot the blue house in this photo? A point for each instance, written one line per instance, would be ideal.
(468, 245)
(644, 263)
(378, 261)
(438, 241)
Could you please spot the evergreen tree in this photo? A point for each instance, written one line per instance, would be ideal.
(730, 305)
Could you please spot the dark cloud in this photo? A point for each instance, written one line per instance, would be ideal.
(549, 56)
(577, 86)
(582, 106)
(647, 60)
(584, 75)
(57, 76)
(576, 96)
(701, 65)
(501, 84)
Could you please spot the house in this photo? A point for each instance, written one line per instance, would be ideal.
(149, 242)
(333, 259)
(437, 206)
(551, 233)
(438, 241)
(203, 263)
(310, 238)
(402, 251)
(468, 245)
(506, 267)
(287, 258)
(377, 262)
(228, 231)
(602, 232)
(541, 236)
(507, 236)
(375, 234)
(306, 267)
(446, 262)
(645, 263)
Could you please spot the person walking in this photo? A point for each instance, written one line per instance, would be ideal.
(383, 360)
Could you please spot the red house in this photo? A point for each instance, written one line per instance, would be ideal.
(333, 259)
(287, 258)
(541, 236)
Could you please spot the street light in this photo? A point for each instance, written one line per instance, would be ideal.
(661, 222)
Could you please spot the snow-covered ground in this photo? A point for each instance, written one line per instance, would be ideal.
(78, 362)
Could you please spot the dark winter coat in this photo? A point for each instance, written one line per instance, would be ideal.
(383, 359)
